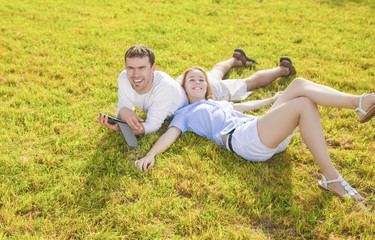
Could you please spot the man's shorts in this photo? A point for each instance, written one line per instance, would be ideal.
(228, 89)
(246, 143)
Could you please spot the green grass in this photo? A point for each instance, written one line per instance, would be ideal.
(64, 176)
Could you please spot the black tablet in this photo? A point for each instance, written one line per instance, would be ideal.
(113, 120)
(126, 131)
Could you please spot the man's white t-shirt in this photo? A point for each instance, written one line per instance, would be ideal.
(163, 99)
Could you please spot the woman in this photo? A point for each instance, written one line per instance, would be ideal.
(259, 138)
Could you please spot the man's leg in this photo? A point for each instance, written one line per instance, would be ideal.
(264, 77)
(239, 59)
(223, 67)
(258, 79)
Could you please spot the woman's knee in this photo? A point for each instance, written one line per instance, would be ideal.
(306, 103)
(300, 82)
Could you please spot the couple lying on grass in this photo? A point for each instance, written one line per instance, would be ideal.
(258, 138)
(253, 138)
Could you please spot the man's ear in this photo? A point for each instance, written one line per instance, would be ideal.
(153, 68)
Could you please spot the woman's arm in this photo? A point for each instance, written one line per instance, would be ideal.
(256, 104)
(167, 139)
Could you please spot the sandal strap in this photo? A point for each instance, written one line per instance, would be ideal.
(359, 108)
(325, 181)
(349, 190)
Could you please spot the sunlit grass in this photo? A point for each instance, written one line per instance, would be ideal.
(64, 176)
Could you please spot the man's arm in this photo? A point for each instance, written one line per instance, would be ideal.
(256, 104)
(167, 139)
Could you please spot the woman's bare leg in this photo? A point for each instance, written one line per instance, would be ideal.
(304, 113)
(323, 95)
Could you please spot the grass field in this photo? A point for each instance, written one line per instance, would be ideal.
(63, 176)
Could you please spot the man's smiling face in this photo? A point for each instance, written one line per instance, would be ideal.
(140, 73)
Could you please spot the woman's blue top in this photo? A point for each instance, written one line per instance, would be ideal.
(209, 118)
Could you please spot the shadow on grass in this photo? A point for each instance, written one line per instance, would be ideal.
(110, 163)
(261, 192)
(111, 166)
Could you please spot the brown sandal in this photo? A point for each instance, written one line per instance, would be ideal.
(239, 54)
(287, 63)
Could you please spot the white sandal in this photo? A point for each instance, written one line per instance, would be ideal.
(349, 190)
(366, 115)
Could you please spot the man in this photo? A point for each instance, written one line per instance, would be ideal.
(153, 92)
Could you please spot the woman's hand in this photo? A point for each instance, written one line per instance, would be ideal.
(145, 163)
(166, 140)
(256, 104)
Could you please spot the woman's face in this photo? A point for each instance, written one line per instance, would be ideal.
(195, 85)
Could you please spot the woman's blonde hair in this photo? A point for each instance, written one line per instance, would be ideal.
(208, 94)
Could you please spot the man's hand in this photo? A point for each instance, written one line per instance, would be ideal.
(132, 119)
(145, 163)
(103, 120)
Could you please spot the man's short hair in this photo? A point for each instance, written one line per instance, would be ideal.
(140, 50)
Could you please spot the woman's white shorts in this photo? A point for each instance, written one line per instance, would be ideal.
(246, 143)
